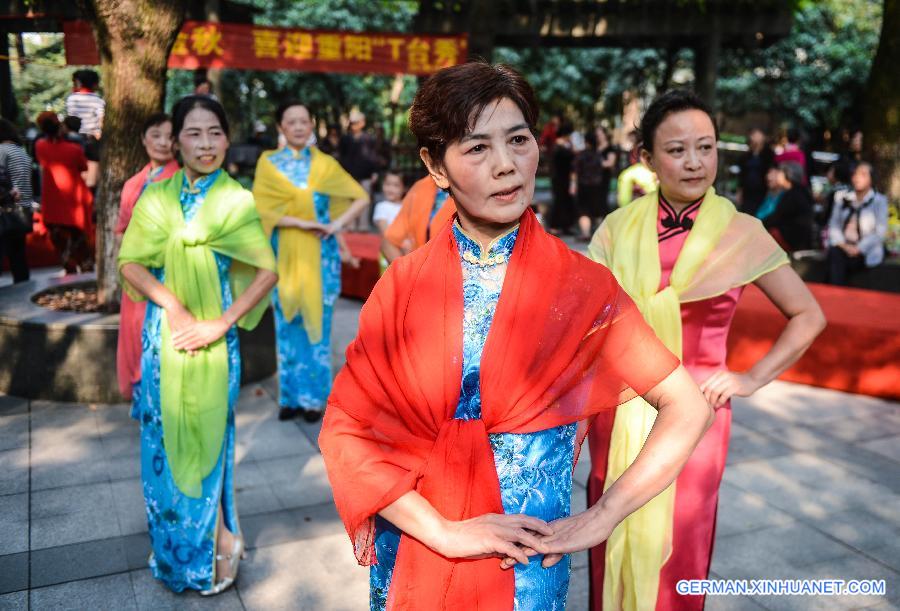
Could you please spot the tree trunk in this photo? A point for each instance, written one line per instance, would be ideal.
(881, 120)
(134, 38)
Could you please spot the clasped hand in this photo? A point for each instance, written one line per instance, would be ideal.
(318, 229)
(190, 334)
(513, 536)
(573, 534)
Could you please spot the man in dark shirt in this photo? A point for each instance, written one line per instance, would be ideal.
(754, 165)
(357, 150)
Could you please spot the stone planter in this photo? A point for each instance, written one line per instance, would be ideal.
(66, 356)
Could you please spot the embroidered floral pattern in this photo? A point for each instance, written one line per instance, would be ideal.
(304, 368)
(534, 469)
(182, 529)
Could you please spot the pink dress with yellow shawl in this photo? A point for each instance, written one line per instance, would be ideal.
(131, 314)
(705, 326)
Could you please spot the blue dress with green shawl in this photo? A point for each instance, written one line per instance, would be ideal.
(534, 469)
(304, 368)
(182, 529)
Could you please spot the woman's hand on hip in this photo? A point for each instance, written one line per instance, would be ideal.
(723, 384)
(493, 535)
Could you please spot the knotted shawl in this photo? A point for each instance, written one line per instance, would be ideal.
(194, 389)
(299, 251)
(566, 342)
(725, 249)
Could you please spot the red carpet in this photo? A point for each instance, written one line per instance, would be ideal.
(858, 352)
(358, 283)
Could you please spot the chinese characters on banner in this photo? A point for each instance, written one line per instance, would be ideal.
(244, 46)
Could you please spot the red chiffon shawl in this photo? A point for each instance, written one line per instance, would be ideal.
(566, 343)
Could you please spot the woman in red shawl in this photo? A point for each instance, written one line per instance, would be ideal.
(66, 201)
(482, 357)
(156, 136)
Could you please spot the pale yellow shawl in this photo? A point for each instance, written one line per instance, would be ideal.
(725, 249)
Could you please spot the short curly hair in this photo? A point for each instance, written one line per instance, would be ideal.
(449, 102)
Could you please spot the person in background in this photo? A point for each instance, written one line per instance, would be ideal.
(791, 223)
(562, 214)
(792, 153)
(635, 181)
(66, 201)
(70, 130)
(838, 175)
(331, 143)
(202, 85)
(156, 137)
(387, 209)
(305, 199)
(356, 151)
(776, 185)
(85, 103)
(857, 227)
(592, 170)
(425, 210)
(548, 135)
(754, 166)
(17, 201)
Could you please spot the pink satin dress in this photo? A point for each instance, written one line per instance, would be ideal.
(705, 326)
(131, 313)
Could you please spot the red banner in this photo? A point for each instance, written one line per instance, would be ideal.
(251, 47)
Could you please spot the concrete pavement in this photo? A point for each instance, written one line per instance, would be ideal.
(812, 490)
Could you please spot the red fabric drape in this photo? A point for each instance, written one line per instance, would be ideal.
(131, 314)
(566, 343)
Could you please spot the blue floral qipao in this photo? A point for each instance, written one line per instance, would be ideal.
(182, 529)
(534, 469)
(304, 368)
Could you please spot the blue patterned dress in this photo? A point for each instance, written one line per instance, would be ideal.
(182, 529)
(304, 368)
(534, 469)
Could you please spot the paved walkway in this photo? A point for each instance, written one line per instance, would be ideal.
(812, 490)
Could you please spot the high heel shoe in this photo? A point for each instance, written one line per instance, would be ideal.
(234, 563)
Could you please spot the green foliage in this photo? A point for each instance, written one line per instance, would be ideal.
(814, 77)
(584, 83)
(44, 81)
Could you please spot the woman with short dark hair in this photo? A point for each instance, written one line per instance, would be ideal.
(684, 254)
(481, 360)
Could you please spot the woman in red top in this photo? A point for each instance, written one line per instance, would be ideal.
(156, 136)
(66, 201)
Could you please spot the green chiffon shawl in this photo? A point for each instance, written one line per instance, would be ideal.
(194, 389)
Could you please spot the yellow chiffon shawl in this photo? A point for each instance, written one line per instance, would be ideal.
(299, 251)
(725, 249)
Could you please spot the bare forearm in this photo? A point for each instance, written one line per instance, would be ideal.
(390, 251)
(805, 321)
(682, 419)
(355, 209)
(147, 285)
(259, 288)
(416, 517)
(795, 339)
